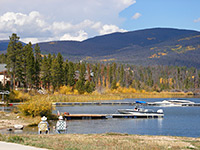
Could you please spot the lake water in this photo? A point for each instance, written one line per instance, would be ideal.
(178, 121)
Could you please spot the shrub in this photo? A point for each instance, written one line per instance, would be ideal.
(36, 107)
(65, 90)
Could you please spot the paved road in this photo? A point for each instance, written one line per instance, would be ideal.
(13, 146)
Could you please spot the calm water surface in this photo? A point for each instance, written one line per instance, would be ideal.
(178, 121)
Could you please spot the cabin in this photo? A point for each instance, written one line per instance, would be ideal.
(4, 78)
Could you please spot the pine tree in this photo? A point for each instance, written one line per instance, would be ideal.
(20, 61)
(60, 72)
(66, 72)
(49, 64)
(54, 74)
(80, 84)
(71, 74)
(12, 53)
(122, 76)
(44, 72)
(38, 60)
(30, 63)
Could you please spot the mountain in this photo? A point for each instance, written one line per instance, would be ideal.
(3, 45)
(157, 46)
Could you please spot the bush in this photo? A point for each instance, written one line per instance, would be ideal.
(36, 107)
(66, 90)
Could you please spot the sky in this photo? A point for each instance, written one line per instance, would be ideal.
(51, 20)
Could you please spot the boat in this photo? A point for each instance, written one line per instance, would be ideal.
(18, 127)
(171, 103)
(138, 111)
(141, 112)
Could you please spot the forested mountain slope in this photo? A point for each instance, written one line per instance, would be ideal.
(157, 46)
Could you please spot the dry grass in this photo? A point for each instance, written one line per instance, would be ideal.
(109, 141)
(116, 96)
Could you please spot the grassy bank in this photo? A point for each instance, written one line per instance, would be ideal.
(107, 141)
(119, 94)
(115, 96)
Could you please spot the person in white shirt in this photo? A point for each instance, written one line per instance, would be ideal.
(43, 126)
(61, 125)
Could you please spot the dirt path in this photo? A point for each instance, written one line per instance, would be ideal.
(11, 146)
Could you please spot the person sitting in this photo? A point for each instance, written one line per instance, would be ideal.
(43, 126)
(136, 109)
(61, 125)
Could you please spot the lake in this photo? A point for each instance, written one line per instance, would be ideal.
(178, 121)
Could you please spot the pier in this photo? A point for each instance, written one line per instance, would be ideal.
(92, 103)
(114, 103)
(107, 116)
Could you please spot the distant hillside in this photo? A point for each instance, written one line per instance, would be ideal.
(3, 45)
(157, 46)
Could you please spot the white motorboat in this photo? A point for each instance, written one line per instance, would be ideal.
(141, 111)
(171, 103)
(18, 127)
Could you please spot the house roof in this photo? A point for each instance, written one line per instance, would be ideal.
(3, 67)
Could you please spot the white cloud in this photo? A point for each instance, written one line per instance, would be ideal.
(197, 20)
(60, 19)
(107, 29)
(80, 36)
(136, 16)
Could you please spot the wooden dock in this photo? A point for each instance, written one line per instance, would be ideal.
(92, 103)
(107, 116)
(113, 103)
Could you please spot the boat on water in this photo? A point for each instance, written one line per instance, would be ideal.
(138, 111)
(171, 103)
(141, 111)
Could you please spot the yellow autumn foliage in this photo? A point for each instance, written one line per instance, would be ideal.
(19, 96)
(65, 90)
(36, 107)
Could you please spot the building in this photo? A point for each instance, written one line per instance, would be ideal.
(4, 79)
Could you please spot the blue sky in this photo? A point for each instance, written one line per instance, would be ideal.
(49, 20)
(162, 13)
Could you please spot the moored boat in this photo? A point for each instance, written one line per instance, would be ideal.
(171, 103)
(141, 111)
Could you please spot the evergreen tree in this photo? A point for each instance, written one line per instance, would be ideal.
(30, 65)
(66, 72)
(71, 74)
(114, 84)
(80, 84)
(44, 72)
(38, 60)
(12, 52)
(122, 76)
(20, 64)
(60, 71)
(54, 74)
(49, 63)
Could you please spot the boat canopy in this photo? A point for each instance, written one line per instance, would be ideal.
(140, 102)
